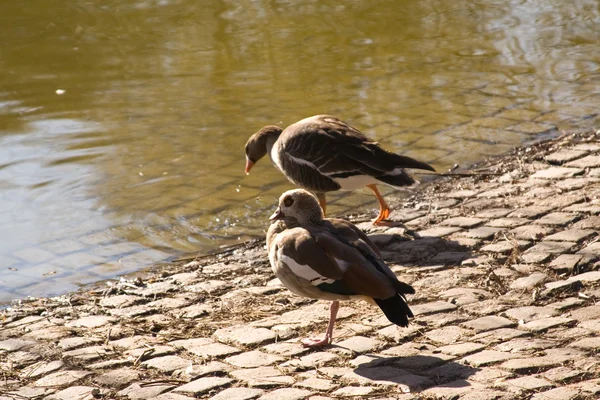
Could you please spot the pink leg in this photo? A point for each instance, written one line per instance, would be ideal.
(312, 342)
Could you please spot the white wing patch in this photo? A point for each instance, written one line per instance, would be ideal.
(354, 182)
(303, 271)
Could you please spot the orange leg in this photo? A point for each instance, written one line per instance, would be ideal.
(322, 202)
(384, 209)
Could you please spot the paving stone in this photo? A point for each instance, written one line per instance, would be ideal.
(544, 324)
(198, 370)
(432, 308)
(61, 378)
(525, 345)
(15, 344)
(461, 295)
(483, 232)
(552, 247)
(438, 231)
(571, 235)
(554, 357)
(312, 360)
(116, 363)
(356, 344)
(507, 222)
(134, 342)
(90, 322)
(131, 312)
(488, 323)
(167, 364)
(286, 349)
(244, 335)
(462, 222)
(396, 334)
(498, 335)
(506, 246)
(561, 286)
(590, 343)
(531, 232)
(203, 385)
(592, 249)
(286, 394)
(530, 212)
(49, 333)
(493, 212)
(188, 343)
(353, 391)
(528, 383)
(87, 353)
(529, 282)
(564, 155)
(560, 393)
(253, 359)
(592, 161)
(562, 374)
(487, 357)
(387, 376)
(262, 377)
(453, 390)
(317, 384)
(592, 222)
(119, 301)
(154, 351)
(213, 350)
(557, 218)
(565, 263)
(136, 391)
(461, 349)
(75, 392)
(557, 173)
(118, 378)
(529, 313)
(448, 335)
(41, 368)
(172, 396)
(534, 257)
(239, 393)
(567, 303)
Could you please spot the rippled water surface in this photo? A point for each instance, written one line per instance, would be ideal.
(122, 124)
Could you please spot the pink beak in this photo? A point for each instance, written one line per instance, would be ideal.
(249, 165)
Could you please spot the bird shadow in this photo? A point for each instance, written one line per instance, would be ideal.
(416, 373)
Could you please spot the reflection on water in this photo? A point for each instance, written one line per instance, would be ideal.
(122, 124)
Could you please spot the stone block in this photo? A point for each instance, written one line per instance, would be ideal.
(118, 378)
(76, 392)
(523, 344)
(527, 383)
(61, 378)
(571, 235)
(498, 335)
(487, 357)
(529, 313)
(557, 219)
(203, 385)
(135, 391)
(357, 344)
(531, 232)
(448, 335)
(462, 222)
(286, 394)
(540, 325)
(529, 282)
(591, 161)
(238, 393)
(506, 246)
(244, 335)
(167, 364)
(557, 173)
(507, 222)
(488, 323)
(483, 232)
(253, 359)
(530, 212)
(461, 349)
(434, 307)
(564, 155)
(262, 377)
(565, 263)
(317, 384)
(589, 343)
(560, 393)
(552, 247)
(439, 231)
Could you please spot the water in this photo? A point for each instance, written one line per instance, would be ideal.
(122, 124)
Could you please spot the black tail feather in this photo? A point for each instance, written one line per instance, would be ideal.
(395, 309)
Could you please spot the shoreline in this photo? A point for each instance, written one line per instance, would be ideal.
(505, 264)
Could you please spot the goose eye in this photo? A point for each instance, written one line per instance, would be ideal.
(288, 201)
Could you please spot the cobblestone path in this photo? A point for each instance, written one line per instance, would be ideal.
(506, 268)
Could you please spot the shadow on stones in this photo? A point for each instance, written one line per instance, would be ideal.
(416, 373)
(420, 251)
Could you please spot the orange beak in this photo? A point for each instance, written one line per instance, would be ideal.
(249, 165)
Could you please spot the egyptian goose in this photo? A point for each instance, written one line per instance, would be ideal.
(323, 154)
(330, 259)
